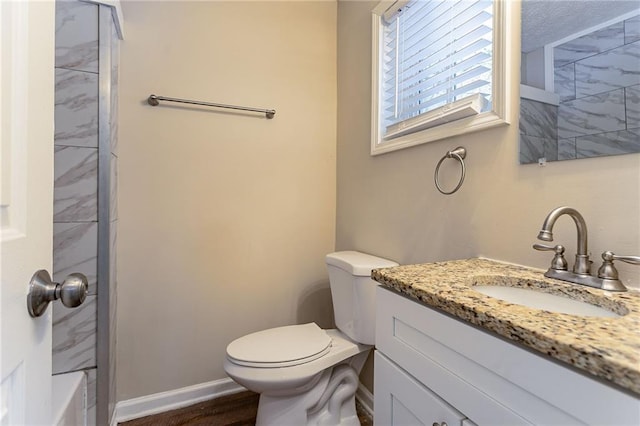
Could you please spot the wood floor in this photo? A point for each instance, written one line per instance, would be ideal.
(232, 410)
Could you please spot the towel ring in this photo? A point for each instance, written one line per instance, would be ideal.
(458, 154)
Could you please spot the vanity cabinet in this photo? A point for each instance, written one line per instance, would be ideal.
(431, 368)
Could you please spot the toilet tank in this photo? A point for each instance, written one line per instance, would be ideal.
(354, 292)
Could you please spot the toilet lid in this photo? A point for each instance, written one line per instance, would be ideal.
(280, 347)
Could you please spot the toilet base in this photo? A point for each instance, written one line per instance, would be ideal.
(330, 402)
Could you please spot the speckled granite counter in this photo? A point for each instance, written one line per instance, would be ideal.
(608, 348)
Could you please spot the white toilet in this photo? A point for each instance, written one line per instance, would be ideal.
(306, 375)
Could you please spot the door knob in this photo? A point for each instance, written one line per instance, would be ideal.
(43, 290)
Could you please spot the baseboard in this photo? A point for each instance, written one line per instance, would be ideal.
(170, 400)
(365, 398)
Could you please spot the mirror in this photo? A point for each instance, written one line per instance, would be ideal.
(580, 79)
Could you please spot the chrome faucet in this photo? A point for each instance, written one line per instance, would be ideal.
(583, 264)
(607, 276)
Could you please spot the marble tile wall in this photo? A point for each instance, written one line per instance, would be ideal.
(113, 283)
(77, 36)
(632, 103)
(76, 100)
(589, 45)
(632, 30)
(92, 378)
(615, 69)
(591, 115)
(76, 215)
(74, 336)
(597, 77)
(76, 180)
(565, 82)
(610, 143)
(76, 185)
(74, 249)
(538, 131)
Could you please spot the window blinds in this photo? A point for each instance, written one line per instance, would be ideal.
(436, 63)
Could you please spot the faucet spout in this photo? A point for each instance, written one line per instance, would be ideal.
(582, 265)
(607, 277)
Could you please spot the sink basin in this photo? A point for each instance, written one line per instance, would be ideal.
(544, 301)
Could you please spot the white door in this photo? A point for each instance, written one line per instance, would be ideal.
(27, 31)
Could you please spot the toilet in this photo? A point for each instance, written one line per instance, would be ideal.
(306, 375)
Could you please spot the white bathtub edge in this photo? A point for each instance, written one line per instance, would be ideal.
(68, 398)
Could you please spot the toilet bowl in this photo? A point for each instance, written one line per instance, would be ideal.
(306, 375)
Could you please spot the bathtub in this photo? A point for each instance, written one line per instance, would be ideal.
(69, 399)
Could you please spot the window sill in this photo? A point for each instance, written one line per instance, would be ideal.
(471, 124)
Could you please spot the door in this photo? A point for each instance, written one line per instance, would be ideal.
(27, 30)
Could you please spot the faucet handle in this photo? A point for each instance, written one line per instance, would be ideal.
(543, 247)
(610, 256)
(559, 263)
(608, 270)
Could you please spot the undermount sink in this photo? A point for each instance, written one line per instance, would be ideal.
(545, 301)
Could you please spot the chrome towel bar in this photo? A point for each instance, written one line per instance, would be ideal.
(154, 100)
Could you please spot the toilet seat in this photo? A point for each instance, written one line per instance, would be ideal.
(280, 347)
(296, 378)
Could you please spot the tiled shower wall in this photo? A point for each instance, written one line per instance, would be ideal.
(538, 131)
(597, 77)
(79, 217)
(112, 302)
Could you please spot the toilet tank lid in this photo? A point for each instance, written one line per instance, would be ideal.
(357, 263)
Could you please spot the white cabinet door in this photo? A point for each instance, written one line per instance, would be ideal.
(402, 401)
(26, 206)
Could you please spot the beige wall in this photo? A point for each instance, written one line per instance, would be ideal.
(388, 205)
(224, 218)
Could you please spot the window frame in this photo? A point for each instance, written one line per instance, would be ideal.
(500, 86)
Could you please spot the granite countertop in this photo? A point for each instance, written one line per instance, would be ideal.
(608, 348)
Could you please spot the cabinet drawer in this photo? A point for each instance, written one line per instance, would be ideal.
(400, 400)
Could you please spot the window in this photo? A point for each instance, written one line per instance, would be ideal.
(435, 68)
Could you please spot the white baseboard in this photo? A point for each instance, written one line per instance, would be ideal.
(365, 398)
(170, 400)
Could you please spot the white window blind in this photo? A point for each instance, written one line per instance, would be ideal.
(435, 64)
